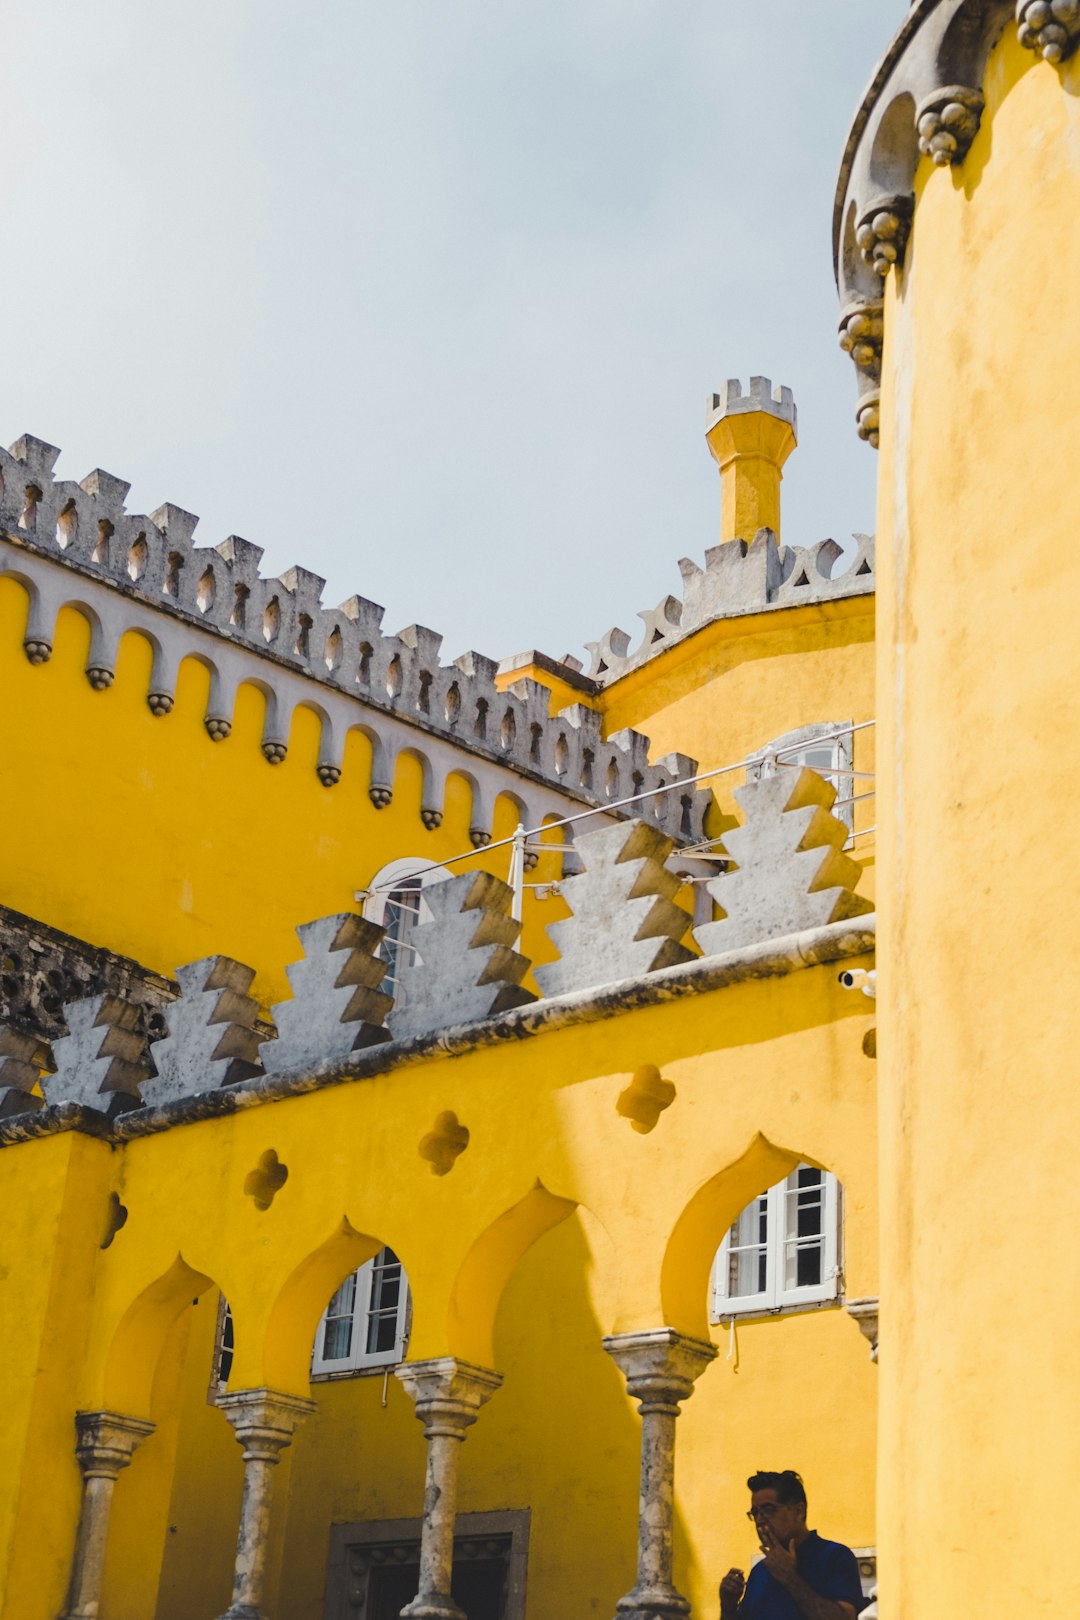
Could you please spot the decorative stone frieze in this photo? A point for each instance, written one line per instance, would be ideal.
(862, 332)
(660, 1368)
(265, 1421)
(948, 121)
(624, 918)
(106, 1443)
(883, 231)
(791, 873)
(464, 965)
(1050, 27)
(448, 1395)
(213, 601)
(337, 1006)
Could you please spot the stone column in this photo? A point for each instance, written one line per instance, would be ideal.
(660, 1368)
(106, 1442)
(264, 1421)
(448, 1395)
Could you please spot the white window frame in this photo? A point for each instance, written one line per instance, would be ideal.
(360, 1359)
(774, 1297)
(395, 874)
(794, 746)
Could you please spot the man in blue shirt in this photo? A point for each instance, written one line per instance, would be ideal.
(800, 1576)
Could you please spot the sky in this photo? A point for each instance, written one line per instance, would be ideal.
(428, 295)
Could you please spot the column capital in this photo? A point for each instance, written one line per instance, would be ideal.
(447, 1393)
(660, 1365)
(264, 1419)
(107, 1441)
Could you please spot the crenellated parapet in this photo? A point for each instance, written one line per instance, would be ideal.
(925, 101)
(626, 928)
(739, 577)
(74, 544)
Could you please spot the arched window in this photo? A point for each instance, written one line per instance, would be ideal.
(366, 1324)
(394, 900)
(823, 750)
(784, 1249)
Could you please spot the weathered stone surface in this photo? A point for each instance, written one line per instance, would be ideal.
(42, 968)
(625, 921)
(105, 1445)
(791, 872)
(104, 1059)
(214, 1035)
(23, 1058)
(660, 1368)
(337, 1006)
(265, 1421)
(465, 965)
(448, 1395)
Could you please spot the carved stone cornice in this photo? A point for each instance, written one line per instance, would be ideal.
(862, 333)
(865, 1313)
(1050, 27)
(883, 231)
(948, 121)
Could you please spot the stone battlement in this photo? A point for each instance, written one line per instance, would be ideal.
(218, 593)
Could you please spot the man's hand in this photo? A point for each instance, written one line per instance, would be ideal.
(779, 1560)
(731, 1591)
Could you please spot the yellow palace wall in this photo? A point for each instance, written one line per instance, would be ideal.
(978, 590)
(624, 1226)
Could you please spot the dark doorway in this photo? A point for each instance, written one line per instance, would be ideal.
(375, 1567)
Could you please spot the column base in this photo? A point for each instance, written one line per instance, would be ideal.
(243, 1611)
(433, 1607)
(652, 1603)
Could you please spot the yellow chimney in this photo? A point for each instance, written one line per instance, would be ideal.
(751, 436)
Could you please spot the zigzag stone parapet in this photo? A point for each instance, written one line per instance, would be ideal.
(214, 1034)
(791, 872)
(464, 965)
(738, 578)
(153, 560)
(624, 920)
(105, 1058)
(337, 1006)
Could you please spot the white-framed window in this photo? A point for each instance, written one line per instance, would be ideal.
(366, 1324)
(783, 1250)
(823, 750)
(395, 900)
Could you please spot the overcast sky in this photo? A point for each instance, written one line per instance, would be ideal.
(427, 295)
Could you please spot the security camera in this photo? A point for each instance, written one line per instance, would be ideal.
(860, 979)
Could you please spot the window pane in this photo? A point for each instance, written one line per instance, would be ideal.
(748, 1251)
(386, 1294)
(804, 1228)
(337, 1337)
(399, 920)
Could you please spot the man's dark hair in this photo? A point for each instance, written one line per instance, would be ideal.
(787, 1484)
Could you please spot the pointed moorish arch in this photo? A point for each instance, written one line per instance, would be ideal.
(280, 1357)
(699, 1230)
(133, 1355)
(489, 1265)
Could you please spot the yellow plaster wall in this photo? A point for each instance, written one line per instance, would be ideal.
(979, 580)
(138, 832)
(765, 1072)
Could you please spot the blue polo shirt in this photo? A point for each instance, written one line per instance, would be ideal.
(828, 1566)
